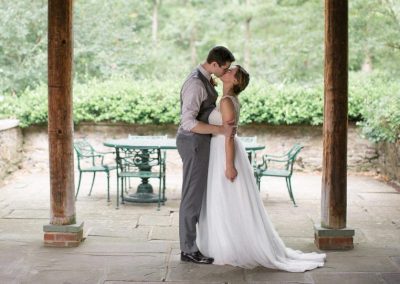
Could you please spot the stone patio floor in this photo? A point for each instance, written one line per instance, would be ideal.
(138, 244)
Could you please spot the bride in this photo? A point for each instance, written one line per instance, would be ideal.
(234, 227)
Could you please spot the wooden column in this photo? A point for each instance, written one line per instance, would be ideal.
(333, 234)
(62, 230)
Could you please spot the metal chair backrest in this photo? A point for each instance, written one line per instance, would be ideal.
(292, 154)
(139, 159)
(149, 137)
(84, 150)
(83, 147)
(248, 139)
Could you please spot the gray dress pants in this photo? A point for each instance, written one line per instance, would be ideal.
(194, 151)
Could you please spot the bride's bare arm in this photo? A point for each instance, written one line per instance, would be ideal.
(228, 114)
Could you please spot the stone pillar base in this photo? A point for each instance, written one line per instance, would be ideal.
(333, 239)
(63, 235)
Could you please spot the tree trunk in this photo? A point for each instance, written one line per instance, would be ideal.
(247, 40)
(334, 175)
(367, 64)
(60, 125)
(156, 5)
(193, 46)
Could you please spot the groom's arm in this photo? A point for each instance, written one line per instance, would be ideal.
(205, 128)
(228, 129)
(193, 95)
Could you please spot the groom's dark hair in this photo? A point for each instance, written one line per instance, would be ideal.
(221, 55)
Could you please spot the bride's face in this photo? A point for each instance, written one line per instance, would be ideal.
(229, 76)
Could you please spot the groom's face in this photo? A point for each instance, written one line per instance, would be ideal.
(220, 70)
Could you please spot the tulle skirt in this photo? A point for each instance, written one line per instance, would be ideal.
(234, 227)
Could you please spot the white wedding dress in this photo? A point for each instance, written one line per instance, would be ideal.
(234, 227)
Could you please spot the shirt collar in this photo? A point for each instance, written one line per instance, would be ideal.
(204, 72)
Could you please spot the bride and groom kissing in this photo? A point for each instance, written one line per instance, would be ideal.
(222, 219)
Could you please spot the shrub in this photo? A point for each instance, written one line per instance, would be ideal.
(120, 100)
(374, 102)
(282, 104)
(379, 107)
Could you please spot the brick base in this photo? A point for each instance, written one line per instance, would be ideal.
(333, 239)
(63, 236)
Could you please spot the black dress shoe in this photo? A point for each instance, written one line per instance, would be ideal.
(196, 257)
(201, 255)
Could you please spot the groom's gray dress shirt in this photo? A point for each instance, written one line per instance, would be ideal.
(193, 94)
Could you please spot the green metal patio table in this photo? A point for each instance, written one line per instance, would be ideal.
(144, 192)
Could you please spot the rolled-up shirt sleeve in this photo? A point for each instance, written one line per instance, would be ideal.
(193, 95)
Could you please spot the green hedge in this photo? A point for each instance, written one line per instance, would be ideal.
(373, 103)
(379, 106)
(120, 100)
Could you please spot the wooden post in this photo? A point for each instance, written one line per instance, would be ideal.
(333, 234)
(62, 230)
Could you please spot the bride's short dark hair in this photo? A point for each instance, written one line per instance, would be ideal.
(243, 79)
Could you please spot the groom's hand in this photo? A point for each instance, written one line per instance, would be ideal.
(231, 173)
(229, 128)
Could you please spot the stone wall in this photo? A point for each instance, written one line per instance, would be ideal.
(389, 160)
(362, 154)
(29, 148)
(11, 141)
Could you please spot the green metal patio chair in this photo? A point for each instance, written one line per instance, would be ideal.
(163, 155)
(92, 161)
(143, 164)
(287, 160)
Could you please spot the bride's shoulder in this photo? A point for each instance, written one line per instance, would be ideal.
(226, 100)
(228, 103)
(232, 98)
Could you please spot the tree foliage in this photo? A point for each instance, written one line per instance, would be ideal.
(23, 43)
(285, 38)
(154, 44)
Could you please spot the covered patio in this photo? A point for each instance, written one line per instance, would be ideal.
(63, 229)
(139, 244)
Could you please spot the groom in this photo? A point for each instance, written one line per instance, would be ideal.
(198, 99)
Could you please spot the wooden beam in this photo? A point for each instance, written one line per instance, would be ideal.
(60, 123)
(334, 175)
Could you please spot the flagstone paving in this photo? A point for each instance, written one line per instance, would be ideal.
(138, 244)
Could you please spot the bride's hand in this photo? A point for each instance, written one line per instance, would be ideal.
(231, 173)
